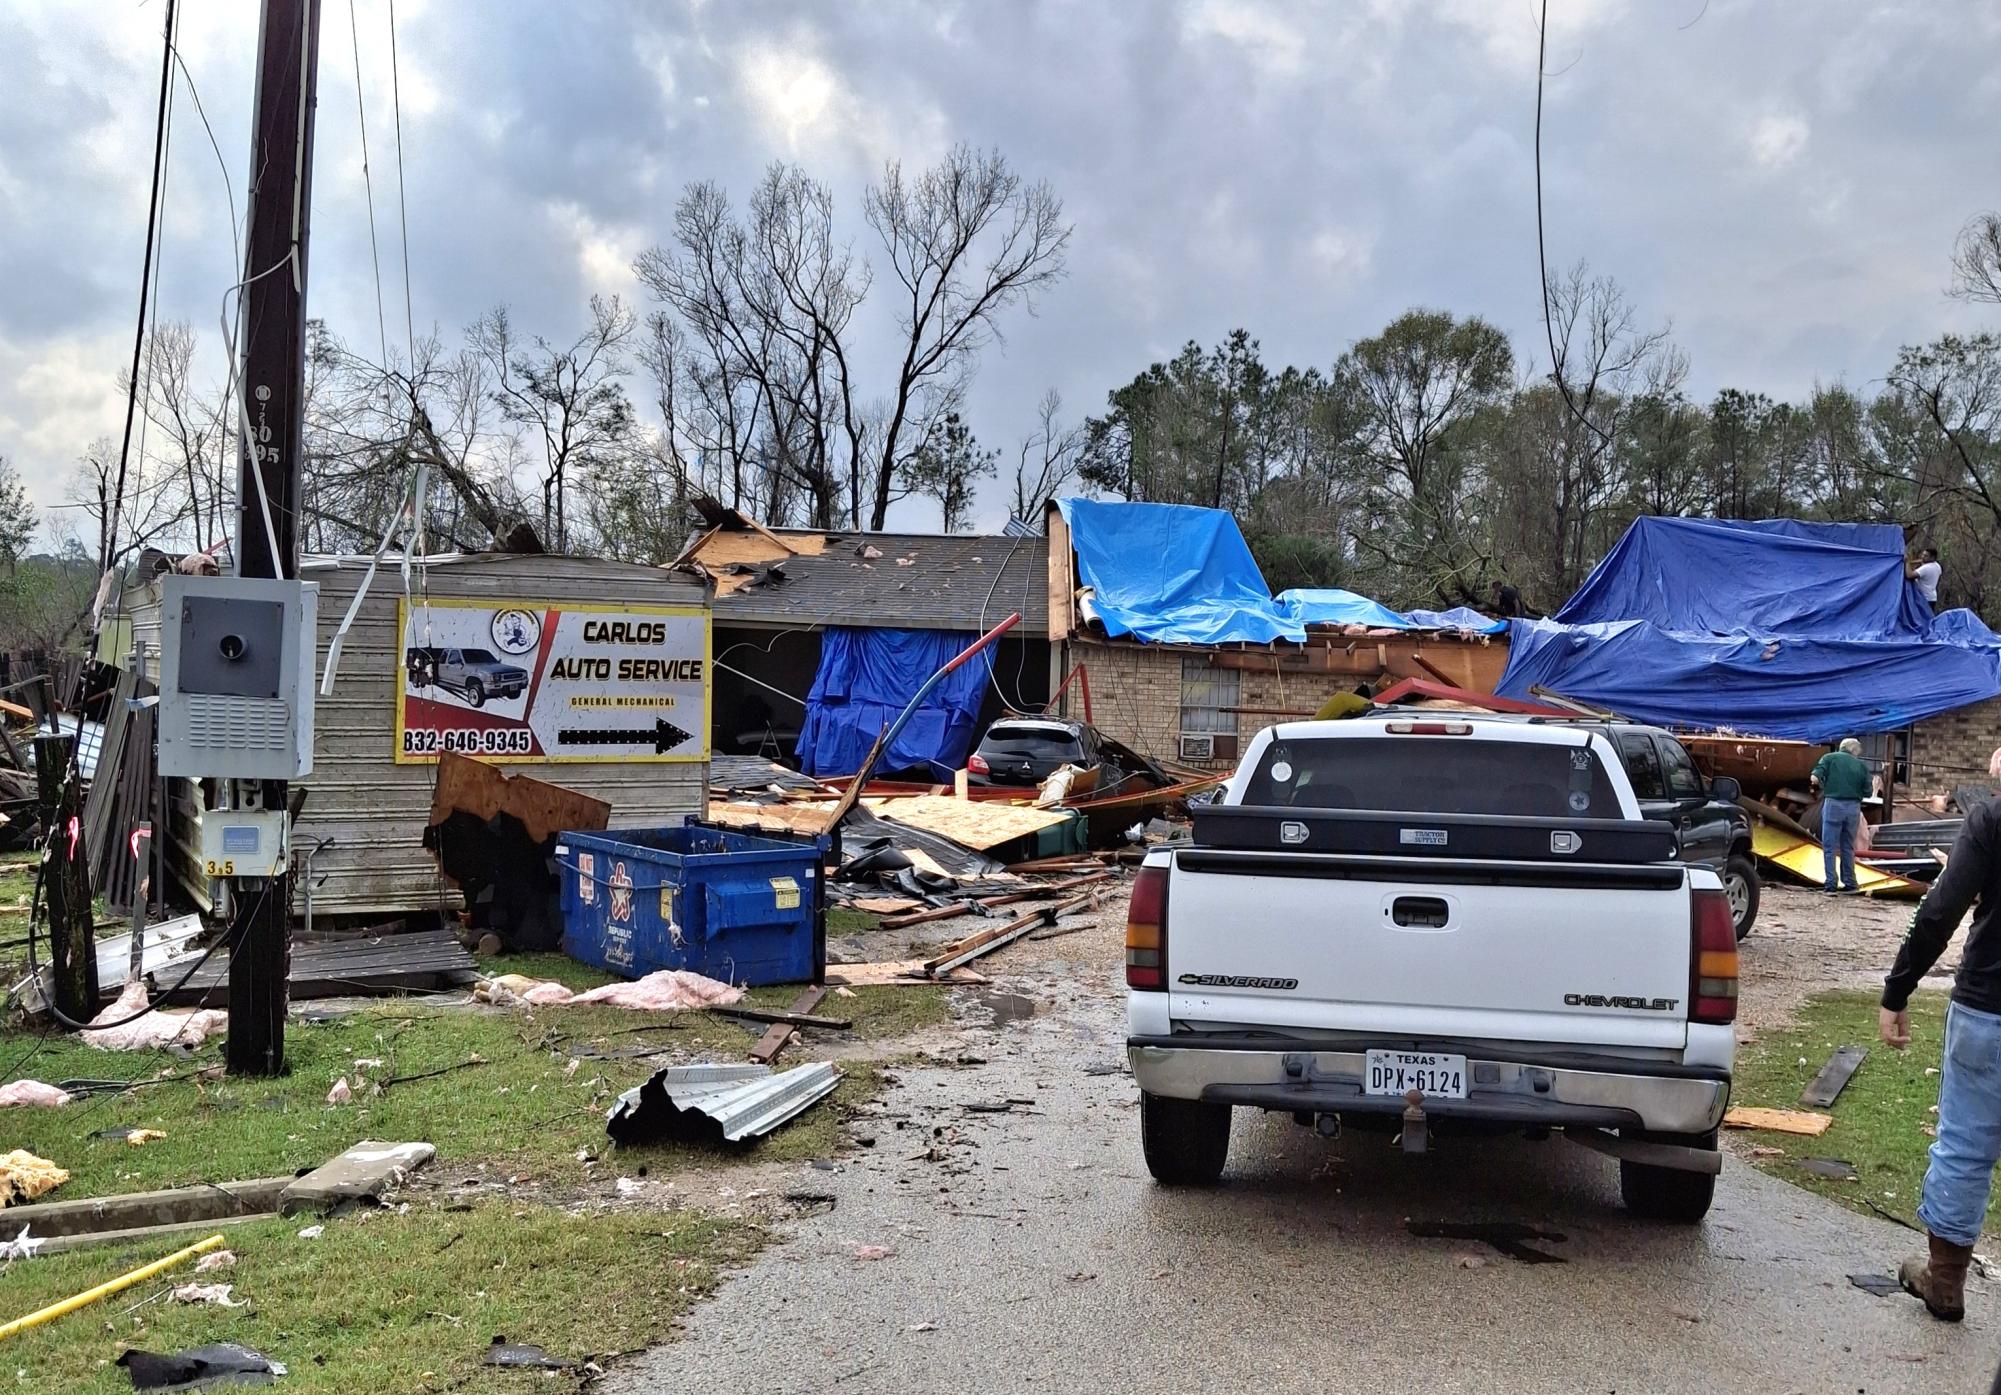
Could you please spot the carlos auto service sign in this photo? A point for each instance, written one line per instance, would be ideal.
(526, 681)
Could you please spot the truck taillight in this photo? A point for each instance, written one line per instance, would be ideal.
(1146, 931)
(977, 764)
(1712, 994)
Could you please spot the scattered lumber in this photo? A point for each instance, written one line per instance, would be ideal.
(1777, 1120)
(780, 1034)
(1826, 1087)
(987, 941)
(789, 1019)
(890, 973)
(974, 906)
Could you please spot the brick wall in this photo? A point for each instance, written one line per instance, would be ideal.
(1952, 749)
(1136, 696)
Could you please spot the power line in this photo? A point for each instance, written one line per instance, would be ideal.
(402, 204)
(368, 183)
(1542, 254)
(152, 230)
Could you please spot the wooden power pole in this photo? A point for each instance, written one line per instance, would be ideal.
(271, 330)
(66, 881)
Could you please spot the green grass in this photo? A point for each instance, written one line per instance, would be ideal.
(844, 920)
(518, 1110)
(1879, 1120)
(387, 1302)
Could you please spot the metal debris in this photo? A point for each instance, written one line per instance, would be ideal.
(727, 1103)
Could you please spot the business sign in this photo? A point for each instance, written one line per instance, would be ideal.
(521, 681)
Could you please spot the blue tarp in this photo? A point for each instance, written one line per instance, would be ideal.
(1773, 628)
(867, 676)
(1173, 574)
(1176, 574)
(1336, 607)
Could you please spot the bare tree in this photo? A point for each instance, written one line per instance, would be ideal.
(568, 395)
(966, 240)
(1048, 461)
(1976, 260)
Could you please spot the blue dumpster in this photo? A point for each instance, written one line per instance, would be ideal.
(736, 906)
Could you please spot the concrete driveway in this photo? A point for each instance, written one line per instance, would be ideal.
(1030, 1252)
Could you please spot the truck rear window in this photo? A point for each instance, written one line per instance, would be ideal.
(1435, 775)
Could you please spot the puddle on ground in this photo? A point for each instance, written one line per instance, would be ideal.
(1006, 1009)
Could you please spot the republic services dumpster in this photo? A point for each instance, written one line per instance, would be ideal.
(741, 907)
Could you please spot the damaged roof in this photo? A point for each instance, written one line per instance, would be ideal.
(904, 581)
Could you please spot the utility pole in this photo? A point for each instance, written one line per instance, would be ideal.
(271, 329)
(66, 879)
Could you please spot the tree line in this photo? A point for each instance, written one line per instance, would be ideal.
(816, 379)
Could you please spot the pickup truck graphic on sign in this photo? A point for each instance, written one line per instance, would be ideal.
(474, 674)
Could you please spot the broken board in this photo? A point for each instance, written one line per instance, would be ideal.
(971, 823)
(1804, 860)
(1777, 1120)
(1826, 1087)
(895, 972)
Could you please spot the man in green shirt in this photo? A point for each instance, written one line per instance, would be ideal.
(1844, 782)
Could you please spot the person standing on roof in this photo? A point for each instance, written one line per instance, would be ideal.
(1924, 574)
(1508, 602)
(1968, 1143)
(1844, 782)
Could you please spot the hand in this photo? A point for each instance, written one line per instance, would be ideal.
(1895, 1027)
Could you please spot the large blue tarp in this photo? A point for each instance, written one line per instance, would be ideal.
(1173, 574)
(1773, 628)
(867, 676)
(1177, 574)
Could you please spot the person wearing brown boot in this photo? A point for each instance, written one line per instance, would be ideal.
(1968, 1145)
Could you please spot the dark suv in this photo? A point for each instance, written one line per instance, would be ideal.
(1028, 750)
(1715, 831)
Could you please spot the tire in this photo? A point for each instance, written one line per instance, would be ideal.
(1666, 1193)
(476, 693)
(1740, 884)
(1185, 1141)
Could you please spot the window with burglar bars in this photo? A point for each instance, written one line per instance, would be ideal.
(1207, 697)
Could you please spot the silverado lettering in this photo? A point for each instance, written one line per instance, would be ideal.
(1599, 1000)
(1283, 985)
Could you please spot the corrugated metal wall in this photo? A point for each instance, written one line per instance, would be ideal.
(375, 810)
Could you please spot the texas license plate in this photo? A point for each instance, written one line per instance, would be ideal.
(1428, 1072)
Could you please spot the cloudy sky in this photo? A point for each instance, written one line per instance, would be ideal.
(1781, 181)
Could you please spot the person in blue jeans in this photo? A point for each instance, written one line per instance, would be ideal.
(1968, 1145)
(1844, 782)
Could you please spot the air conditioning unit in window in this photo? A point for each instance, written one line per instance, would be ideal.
(1198, 747)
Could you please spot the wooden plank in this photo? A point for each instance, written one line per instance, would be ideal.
(1833, 1078)
(789, 1019)
(895, 973)
(974, 825)
(1777, 1120)
(474, 787)
(987, 941)
(775, 1038)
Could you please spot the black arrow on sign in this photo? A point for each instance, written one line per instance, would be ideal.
(664, 735)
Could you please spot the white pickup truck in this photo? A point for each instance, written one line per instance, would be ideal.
(1435, 922)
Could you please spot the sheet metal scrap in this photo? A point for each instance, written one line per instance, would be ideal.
(717, 1103)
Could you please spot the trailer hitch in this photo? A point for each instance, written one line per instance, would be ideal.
(1416, 1132)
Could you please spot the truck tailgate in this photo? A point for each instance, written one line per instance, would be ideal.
(1412, 947)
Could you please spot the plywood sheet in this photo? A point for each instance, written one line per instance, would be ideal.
(891, 972)
(788, 817)
(1778, 1120)
(975, 825)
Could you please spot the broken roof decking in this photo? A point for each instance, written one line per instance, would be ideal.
(921, 581)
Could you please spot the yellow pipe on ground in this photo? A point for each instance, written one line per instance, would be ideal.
(109, 1287)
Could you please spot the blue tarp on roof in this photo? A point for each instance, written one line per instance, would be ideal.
(1173, 574)
(1774, 628)
(867, 676)
(1177, 574)
(1331, 606)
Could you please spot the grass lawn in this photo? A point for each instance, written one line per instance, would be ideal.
(1879, 1120)
(520, 1107)
(387, 1302)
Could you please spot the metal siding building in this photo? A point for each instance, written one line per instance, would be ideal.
(375, 810)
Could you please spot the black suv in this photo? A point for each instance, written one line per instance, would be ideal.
(1028, 750)
(1715, 831)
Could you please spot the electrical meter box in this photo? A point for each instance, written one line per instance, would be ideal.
(242, 842)
(236, 677)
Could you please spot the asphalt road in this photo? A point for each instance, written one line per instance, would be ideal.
(1030, 1252)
